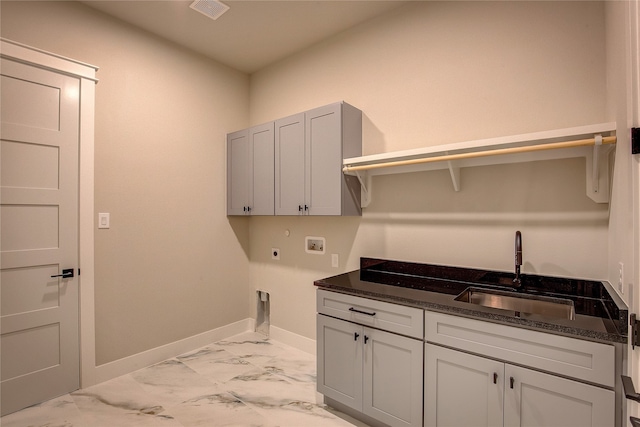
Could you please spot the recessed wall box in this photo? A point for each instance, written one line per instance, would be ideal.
(314, 245)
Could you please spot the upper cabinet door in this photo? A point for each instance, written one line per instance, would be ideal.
(238, 167)
(323, 160)
(261, 190)
(289, 165)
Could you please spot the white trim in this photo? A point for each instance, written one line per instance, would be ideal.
(632, 360)
(43, 59)
(86, 251)
(149, 357)
(293, 340)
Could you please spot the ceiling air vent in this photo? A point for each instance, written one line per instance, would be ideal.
(211, 8)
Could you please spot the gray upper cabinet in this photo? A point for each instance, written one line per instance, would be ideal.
(309, 149)
(290, 167)
(302, 172)
(238, 166)
(250, 172)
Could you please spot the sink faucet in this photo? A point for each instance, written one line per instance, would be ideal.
(517, 282)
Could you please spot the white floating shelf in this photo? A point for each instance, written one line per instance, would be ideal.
(593, 142)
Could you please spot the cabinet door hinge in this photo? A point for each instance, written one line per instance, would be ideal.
(633, 333)
(635, 140)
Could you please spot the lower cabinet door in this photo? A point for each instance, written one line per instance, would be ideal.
(462, 389)
(340, 360)
(392, 379)
(536, 399)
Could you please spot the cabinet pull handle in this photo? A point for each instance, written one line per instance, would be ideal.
(355, 336)
(366, 338)
(511, 381)
(248, 208)
(299, 208)
(362, 312)
(306, 208)
(495, 378)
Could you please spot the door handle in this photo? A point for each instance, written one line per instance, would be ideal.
(67, 273)
(495, 378)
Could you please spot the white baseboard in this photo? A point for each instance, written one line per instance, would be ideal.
(146, 358)
(141, 360)
(294, 340)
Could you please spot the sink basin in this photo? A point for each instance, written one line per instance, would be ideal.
(530, 304)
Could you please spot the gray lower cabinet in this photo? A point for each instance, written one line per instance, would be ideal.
(309, 149)
(372, 358)
(250, 171)
(471, 389)
(462, 389)
(371, 371)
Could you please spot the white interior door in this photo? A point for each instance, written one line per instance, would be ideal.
(39, 353)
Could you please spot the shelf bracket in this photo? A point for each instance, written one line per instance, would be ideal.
(454, 171)
(365, 188)
(596, 162)
(598, 171)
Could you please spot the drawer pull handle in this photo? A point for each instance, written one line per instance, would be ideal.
(355, 336)
(511, 381)
(362, 312)
(495, 378)
(366, 338)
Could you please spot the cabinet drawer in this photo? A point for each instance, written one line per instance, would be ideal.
(378, 314)
(584, 360)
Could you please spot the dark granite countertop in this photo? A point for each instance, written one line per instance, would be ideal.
(601, 315)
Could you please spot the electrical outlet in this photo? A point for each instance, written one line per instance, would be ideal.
(275, 254)
(335, 260)
(621, 278)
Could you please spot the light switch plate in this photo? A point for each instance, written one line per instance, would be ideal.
(335, 260)
(104, 220)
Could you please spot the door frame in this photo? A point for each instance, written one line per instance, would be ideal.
(87, 77)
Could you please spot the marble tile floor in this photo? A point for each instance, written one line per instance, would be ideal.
(246, 380)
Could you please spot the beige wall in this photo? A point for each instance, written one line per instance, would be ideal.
(433, 73)
(171, 265)
(430, 73)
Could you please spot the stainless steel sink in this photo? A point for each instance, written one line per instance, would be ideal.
(519, 303)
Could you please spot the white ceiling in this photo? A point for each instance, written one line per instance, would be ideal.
(251, 34)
